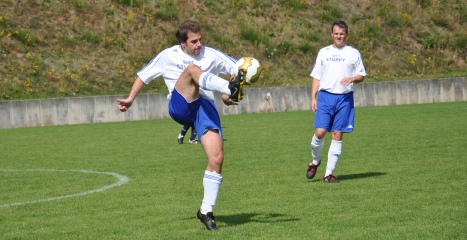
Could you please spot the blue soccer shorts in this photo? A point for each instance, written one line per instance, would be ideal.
(201, 113)
(335, 112)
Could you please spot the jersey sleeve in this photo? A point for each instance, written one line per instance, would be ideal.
(225, 63)
(228, 66)
(153, 69)
(317, 70)
(359, 68)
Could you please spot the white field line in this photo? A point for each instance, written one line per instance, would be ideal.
(121, 180)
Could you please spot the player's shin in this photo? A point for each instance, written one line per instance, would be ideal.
(209, 81)
(333, 156)
(316, 149)
(211, 183)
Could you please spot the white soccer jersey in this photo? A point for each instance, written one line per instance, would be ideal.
(333, 64)
(171, 62)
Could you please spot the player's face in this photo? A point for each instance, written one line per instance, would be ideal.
(193, 44)
(339, 36)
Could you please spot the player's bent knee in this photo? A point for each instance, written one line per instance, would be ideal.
(192, 69)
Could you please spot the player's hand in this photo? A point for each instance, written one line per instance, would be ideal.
(346, 81)
(227, 101)
(314, 105)
(124, 104)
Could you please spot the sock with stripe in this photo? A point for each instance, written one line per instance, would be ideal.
(333, 156)
(209, 81)
(316, 149)
(211, 183)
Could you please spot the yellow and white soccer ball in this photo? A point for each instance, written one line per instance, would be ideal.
(251, 67)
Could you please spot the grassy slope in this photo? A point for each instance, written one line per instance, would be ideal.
(51, 48)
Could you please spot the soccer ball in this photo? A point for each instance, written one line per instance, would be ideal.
(251, 67)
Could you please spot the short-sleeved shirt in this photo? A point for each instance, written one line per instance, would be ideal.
(333, 64)
(171, 62)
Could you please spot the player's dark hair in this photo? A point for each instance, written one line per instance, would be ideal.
(188, 26)
(340, 24)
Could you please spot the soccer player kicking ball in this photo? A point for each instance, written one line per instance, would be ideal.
(190, 72)
(336, 69)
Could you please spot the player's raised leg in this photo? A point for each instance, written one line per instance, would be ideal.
(193, 78)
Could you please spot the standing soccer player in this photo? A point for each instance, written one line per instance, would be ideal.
(190, 72)
(336, 69)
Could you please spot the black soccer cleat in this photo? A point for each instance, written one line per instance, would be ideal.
(180, 138)
(236, 86)
(311, 171)
(331, 179)
(207, 220)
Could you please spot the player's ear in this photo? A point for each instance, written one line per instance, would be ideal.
(183, 44)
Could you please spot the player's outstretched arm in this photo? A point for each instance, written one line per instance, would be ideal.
(124, 104)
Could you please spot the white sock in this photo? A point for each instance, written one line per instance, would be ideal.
(316, 148)
(333, 156)
(209, 81)
(211, 183)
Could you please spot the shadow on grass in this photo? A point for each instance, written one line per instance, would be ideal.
(360, 175)
(242, 218)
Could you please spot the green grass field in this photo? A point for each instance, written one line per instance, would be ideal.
(403, 176)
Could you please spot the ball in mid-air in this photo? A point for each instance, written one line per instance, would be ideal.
(250, 67)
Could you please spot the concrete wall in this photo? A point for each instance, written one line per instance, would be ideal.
(49, 112)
